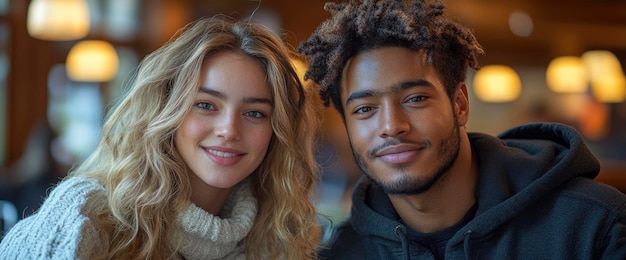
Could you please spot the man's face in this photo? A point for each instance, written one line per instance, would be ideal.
(402, 126)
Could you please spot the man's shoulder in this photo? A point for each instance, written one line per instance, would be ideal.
(596, 193)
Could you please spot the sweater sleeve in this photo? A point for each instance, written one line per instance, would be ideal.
(61, 228)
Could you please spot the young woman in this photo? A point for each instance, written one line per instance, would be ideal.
(207, 156)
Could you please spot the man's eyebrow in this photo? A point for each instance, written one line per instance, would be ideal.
(395, 88)
(222, 96)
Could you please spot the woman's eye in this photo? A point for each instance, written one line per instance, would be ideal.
(205, 106)
(255, 114)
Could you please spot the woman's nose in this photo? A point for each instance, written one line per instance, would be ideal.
(227, 127)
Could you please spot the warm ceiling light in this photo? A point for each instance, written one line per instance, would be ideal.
(567, 74)
(92, 61)
(606, 76)
(600, 63)
(610, 88)
(58, 20)
(497, 83)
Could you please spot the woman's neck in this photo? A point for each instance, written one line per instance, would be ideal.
(206, 197)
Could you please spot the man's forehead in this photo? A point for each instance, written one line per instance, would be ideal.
(386, 62)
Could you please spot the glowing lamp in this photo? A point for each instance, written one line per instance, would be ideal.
(610, 88)
(58, 20)
(497, 83)
(92, 60)
(601, 62)
(608, 84)
(567, 74)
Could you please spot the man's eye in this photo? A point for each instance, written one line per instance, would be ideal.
(363, 110)
(415, 99)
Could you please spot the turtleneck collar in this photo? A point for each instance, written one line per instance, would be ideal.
(201, 235)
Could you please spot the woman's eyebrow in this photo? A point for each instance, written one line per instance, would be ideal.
(222, 96)
(215, 93)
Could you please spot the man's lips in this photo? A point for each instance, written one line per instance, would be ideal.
(398, 154)
(396, 149)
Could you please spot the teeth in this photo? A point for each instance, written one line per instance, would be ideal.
(222, 154)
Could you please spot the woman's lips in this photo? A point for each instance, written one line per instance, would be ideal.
(224, 156)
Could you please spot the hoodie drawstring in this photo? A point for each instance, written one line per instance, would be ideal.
(466, 244)
(400, 232)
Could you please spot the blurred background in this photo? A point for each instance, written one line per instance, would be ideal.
(551, 61)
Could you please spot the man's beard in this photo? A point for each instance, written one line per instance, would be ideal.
(409, 185)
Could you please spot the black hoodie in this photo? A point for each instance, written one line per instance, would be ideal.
(535, 200)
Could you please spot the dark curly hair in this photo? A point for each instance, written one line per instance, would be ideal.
(360, 25)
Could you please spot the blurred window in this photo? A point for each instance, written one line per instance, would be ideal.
(114, 18)
(75, 112)
(76, 109)
(121, 19)
(4, 7)
(129, 60)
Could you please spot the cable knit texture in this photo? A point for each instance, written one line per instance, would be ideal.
(205, 236)
(62, 228)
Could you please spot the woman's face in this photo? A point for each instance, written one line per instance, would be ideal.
(226, 134)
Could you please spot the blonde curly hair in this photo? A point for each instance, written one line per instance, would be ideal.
(146, 179)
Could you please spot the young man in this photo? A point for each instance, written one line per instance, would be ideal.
(395, 71)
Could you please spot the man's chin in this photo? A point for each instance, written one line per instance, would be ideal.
(403, 186)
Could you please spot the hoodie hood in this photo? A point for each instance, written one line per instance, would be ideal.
(522, 165)
(517, 168)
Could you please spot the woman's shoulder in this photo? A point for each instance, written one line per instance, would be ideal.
(62, 224)
(76, 188)
(74, 195)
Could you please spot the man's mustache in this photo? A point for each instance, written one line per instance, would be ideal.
(371, 154)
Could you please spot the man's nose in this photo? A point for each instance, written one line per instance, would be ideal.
(393, 121)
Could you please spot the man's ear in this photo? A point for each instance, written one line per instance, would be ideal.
(461, 104)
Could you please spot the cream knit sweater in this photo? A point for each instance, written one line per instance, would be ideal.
(62, 228)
